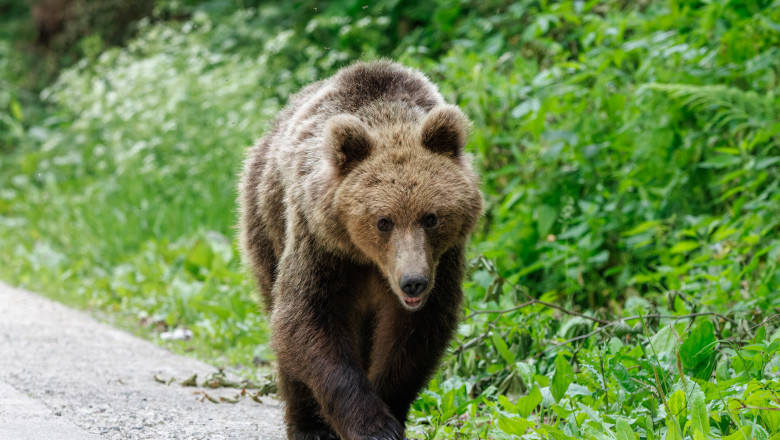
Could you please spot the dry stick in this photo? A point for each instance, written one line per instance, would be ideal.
(501, 312)
(606, 387)
(605, 324)
(764, 321)
(761, 408)
(586, 336)
(630, 318)
(570, 312)
(675, 317)
(476, 339)
(532, 300)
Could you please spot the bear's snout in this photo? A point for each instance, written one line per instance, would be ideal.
(413, 285)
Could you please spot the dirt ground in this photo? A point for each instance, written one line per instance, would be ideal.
(66, 376)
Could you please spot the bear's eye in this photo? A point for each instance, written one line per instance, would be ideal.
(430, 220)
(384, 225)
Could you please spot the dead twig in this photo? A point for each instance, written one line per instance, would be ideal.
(618, 321)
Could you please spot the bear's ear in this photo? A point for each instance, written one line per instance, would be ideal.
(445, 130)
(349, 142)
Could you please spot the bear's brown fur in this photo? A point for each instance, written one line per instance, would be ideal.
(355, 210)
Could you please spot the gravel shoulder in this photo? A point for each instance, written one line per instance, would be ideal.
(65, 375)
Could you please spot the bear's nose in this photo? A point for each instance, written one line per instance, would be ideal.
(413, 285)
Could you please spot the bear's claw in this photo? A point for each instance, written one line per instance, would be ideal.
(389, 430)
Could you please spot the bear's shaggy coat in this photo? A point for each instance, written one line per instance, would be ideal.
(355, 209)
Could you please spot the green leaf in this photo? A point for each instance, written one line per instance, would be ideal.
(200, 255)
(563, 377)
(760, 335)
(590, 412)
(597, 431)
(684, 246)
(664, 342)
(649, 427)
(16, 110)
(672, 429)
(555, 434)
(642, 227)
(546, 216)
(676, 402)
(698, 351)
(700, 419)
(526, 372)
(623, 376)
(744, 433)
(527, 404)
(502, 349)
(506, 404)
(624, 431)
(513, 425)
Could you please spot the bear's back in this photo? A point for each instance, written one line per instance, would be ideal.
(363, 84)
(350, 90)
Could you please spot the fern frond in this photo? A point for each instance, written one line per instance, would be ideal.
(735, 107)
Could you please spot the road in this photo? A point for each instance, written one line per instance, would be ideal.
(66, 376)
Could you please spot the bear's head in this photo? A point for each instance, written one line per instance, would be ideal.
(406, 193)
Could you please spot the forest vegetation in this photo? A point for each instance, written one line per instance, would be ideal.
(624, 282)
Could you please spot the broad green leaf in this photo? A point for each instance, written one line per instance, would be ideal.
(595, 422)
(506, 404)
(759, 433)
(722, 372)
(528, 403)
(16, 110)
(676, 402)
(502, 349)
(597, 431)
(526, 372)
(770, 418)
(563, 377)
(576, 389)
(698, 350)
(642, 227)
(555, 433)
(200, 256)
(700, 419)
(649, 427)
(672, 429)
(623, 376)
(546, 216)
(745, 433)
(514, 425)
(624, 431)
(760, 335)
(664, 342)
(615, 344)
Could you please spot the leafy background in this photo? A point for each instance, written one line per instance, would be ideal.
(624, 280)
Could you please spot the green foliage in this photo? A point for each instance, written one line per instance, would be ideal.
(625, 278)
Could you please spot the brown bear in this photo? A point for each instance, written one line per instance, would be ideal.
(355, 210)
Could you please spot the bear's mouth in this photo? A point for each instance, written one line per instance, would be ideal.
(412, 303)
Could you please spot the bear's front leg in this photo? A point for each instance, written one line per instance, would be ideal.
(302, 412)
(311, 336)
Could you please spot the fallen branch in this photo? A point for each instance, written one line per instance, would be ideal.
(631, 318)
